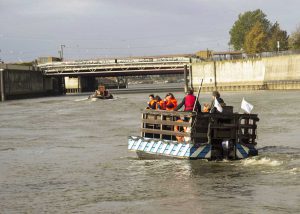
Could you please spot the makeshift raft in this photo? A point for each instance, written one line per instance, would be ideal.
(191, 135)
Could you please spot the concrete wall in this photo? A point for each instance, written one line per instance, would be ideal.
(282, 72)
(25, 81)
(282, 68)
(22, 82)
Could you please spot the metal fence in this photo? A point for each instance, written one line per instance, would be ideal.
(254, 56)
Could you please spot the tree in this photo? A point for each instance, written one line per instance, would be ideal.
(294, 40)
(256, 39)
(276, 34)
(244, 24)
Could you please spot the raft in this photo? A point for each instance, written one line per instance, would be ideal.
(101, 96)
(211, 136)
(93, 96)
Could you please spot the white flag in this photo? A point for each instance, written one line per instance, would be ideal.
(218, 105)
(247, 107)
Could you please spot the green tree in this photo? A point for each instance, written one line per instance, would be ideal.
(294, 40)
(256, 39)
(244, 24)
(276, 34)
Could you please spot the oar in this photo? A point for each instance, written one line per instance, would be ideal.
(198, 95)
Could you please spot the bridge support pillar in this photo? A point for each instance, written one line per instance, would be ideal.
(2, 84)
(79, 84)
(118, 82)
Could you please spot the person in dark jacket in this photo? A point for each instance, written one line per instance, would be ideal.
(189, 101)
(152, 102)
(216, 95)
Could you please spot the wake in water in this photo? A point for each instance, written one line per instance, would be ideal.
(263, 161)
(96, 99)
(82, 99)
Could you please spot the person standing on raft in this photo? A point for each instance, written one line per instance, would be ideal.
(189, 101)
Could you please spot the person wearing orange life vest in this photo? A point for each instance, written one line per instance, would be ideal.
(206, 108)
(170, 102)
(160, 104)
(152, 102)
(189, 101)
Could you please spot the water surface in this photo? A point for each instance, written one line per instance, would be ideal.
(69, 155)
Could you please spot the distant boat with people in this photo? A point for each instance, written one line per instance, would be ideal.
(101, 93)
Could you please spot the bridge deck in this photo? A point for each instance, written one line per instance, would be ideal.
(116, 68)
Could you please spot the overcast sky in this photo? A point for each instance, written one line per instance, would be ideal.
(116, 28)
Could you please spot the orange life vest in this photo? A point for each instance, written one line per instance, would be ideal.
(161, 104)
(177, 129)
(206, 109)
(171, 101)
(151, 103)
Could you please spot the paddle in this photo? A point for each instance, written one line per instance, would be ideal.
(198, 95)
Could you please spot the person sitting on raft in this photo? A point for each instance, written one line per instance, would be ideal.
(216, 95)
(160, 104)
(152, 102)
(206, 108)
(189, 101)
(170, 102)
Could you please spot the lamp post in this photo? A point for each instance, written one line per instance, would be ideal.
(61, 52)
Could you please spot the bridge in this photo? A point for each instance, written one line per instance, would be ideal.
(80, 75)
(119, 67)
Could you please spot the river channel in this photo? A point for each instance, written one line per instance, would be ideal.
(68, 154)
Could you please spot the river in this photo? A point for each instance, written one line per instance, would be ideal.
(69, 155)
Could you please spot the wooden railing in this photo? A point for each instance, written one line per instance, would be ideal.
(199, 128)
(160, 124)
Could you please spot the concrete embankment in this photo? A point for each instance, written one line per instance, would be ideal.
(24, 81)
(273, 73)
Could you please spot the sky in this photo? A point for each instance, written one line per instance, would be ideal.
(91, 29)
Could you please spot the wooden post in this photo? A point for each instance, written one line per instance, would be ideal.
(185, 79)
(215, 74)
(2, 85)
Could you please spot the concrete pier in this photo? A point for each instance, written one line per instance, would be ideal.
(17, 81)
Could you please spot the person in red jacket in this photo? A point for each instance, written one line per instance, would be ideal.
(189, 101)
